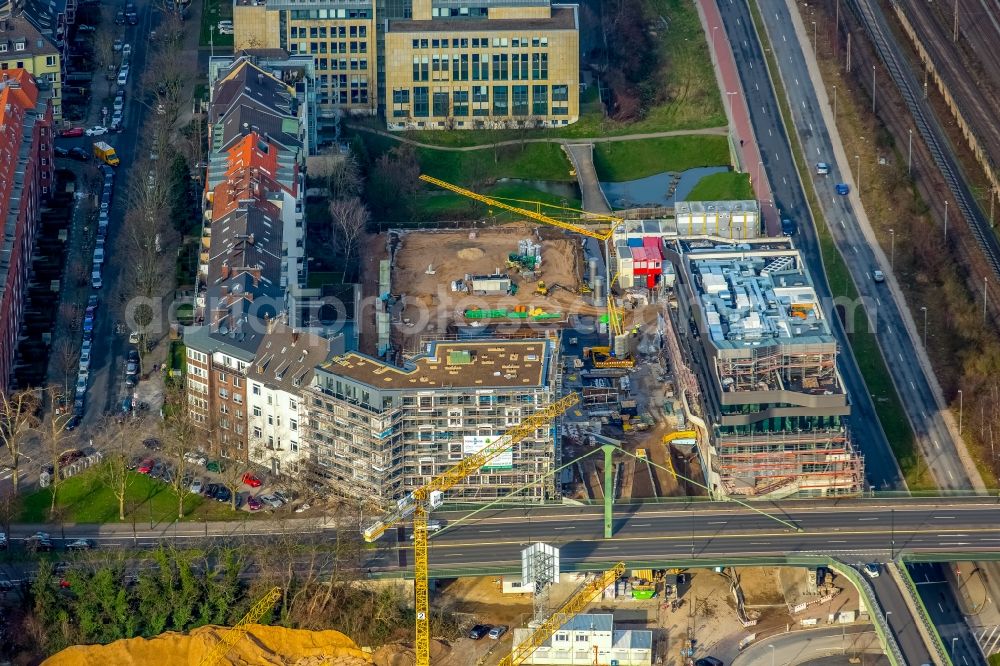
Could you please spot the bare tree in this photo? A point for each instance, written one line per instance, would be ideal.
(350, 218)
(10, 508)
(104, 38)
(121, 443)
(232, 471)
(18, 420)
(339, 172)
(55, 441)
(182, 433)
(67, 363)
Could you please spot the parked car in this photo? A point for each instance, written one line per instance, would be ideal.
(478, 631)
(871, 570)
(146, 466)
(84, 360)
(196, 486)
(83, 27)
(123, 77)
(119, 103)
(223, 494)
(80, 544)
(498, 631)
(135, 462)
(709, 661)
(254, 504)
(120, 18)
(71, 132)
(81, 384)
(131, 368)
(251, 480)
(99, 255)
(126, 50)
(271, 501)
(195, 458)
(60, 151)
(157, 470)
(3, 541)
(79, 154)
(214, 466)
(210, 490)
(96, 130)
(69, 457)
(39, 542)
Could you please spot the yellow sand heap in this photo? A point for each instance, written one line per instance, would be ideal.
(261, 645)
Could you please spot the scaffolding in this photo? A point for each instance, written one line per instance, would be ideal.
(805, 463)
(800, 367)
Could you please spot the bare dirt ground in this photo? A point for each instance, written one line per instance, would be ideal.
(432, 306)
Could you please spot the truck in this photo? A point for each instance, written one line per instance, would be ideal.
(104, 152)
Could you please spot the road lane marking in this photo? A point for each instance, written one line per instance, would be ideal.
(871, 518)
(487, 531)
(951, 476)
(568, 528)
(912, 385)
(937, 444)
(837, 541)
(638, 525)
(718, 522)
(842, 225)
(900, 355)
(944, 518)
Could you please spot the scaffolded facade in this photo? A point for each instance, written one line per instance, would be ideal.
(767, 375)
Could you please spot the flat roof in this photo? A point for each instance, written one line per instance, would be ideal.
(563, 18)
(454, 364)
(750, 300)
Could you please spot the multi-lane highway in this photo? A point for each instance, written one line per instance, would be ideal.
(895, 331)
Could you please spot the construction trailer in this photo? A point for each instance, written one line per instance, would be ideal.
(498, 284)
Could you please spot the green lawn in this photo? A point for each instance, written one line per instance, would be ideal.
(995, 659)
(727, 186)
(864, 344)
(212, 12)
(86, 499)
(320, 278)
(185, 314)
(629, 160)
(443, 205)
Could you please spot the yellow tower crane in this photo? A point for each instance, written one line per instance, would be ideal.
(428, 497)
(567, 612)
(236, 633)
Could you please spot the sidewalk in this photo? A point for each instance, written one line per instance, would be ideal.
(739, 118)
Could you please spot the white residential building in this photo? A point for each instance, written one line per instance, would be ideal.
(282, 368)
(592, 638)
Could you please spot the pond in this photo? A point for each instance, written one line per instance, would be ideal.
(660, 189)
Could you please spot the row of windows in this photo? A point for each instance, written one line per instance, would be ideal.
(480, 42)
(320, 32)
(471, 12)
(513, 67)
(321, 48)
(333, 64)
(313, 14)
(329, 47)
(506, 101)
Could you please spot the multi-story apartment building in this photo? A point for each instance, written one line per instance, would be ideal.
(283, 368)
(26, 178)
(429, 64)
(253, 243)
(767, 370)
(338, 34)
(489, 64)
(23, 46)
(378, 431)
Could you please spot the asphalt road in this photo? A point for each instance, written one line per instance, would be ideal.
(880, 464)
(107, 374)
(802, 647)
(894, 338)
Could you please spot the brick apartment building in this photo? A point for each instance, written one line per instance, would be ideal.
(26, 178)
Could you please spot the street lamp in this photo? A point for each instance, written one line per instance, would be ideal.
(924, 308)
(909, 152)
(772, 654)
(857, 172)
(892, 249)
(954, 640)
(946, 219)
(714, 28)
(961, 410)
(873, 89)
(814, 39)
(732, 119)
(759, 165)
(835, 102)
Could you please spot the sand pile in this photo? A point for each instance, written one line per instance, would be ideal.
(471, 254)
(261, 645)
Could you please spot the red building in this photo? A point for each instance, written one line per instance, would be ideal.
(27, 175)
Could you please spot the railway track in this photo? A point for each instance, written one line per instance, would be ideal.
(931, 132)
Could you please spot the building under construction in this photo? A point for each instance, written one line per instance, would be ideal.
(767, 372)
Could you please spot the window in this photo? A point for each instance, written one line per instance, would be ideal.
(50, 61)
(519, 97)
(236, 382)
(224, 408)
(480, 67)
(270, 420)
(238, 398)
(500, 107)
(460, 103)
(420, 102)
(256, 389)
(224, 394)
(222, 377)
(292, 404)
(500, 67)
(560, 93)
(440, 103)
(293, 425)
(256, 410)
(257, 433)
(519, 66)
(540, 100)
(539, 66)
(19, 46)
